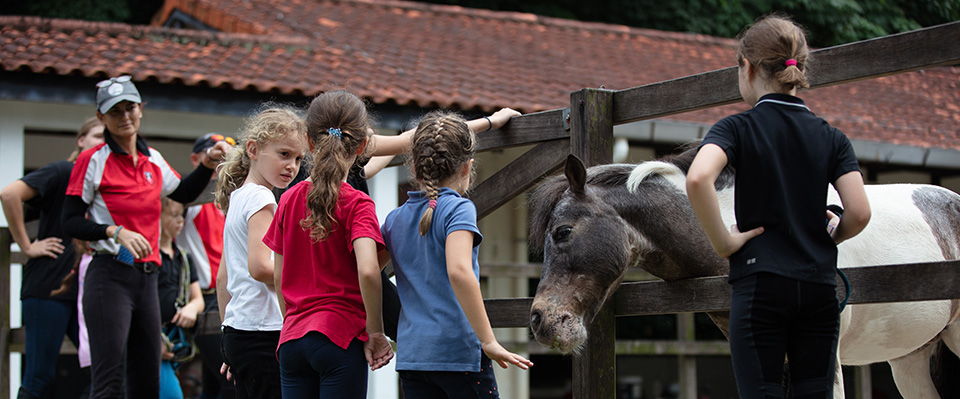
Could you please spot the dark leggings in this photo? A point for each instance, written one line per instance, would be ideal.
(314, 367)
(122, 314)
(253, 362)
(451, 384)
(772, 316)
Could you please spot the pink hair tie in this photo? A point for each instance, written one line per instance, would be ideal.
(432, 204)
(790, 62)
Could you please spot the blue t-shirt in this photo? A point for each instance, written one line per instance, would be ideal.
(434, 333)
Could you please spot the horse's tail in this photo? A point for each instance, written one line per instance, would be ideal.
(944, 368)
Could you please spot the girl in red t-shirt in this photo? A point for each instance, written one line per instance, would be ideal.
(330, 288)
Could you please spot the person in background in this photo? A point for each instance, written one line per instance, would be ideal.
(202, 236)
(48, 312)
(177, 289)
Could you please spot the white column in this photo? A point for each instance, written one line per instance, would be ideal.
(384, 383)
(11, 152)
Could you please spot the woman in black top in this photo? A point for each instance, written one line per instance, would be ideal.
(47, 317)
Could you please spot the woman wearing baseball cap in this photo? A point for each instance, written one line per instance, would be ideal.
(119, 185)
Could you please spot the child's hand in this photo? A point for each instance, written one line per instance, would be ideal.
(501, 117)
(377, 350)
(186, 317)
(503, 357)
(832, 222)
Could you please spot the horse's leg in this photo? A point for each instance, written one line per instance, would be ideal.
(912, 374)
(951, 337)
(838, 392)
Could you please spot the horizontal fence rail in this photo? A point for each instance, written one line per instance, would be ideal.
(869, 284)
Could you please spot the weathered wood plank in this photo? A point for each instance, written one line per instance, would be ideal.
(591, 126)
(869, 284)
(508, 312)
(888, 55)
(518, 176)
(521, 130)
(6, 239)
(595, 367)
(525, 129)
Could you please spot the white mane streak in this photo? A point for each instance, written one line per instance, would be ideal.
(668, 171)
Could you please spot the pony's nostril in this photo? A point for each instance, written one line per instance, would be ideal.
(536, 319)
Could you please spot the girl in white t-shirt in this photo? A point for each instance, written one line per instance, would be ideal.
(270, 149)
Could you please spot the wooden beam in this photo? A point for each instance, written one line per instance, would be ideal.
(888, 55)
(869, 284)
(6, 239)
(595, 366)
(525, 129)
(521, 130)
(591, 126)
(508, 312)
(518, 176)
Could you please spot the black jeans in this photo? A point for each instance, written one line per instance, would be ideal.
(252, 358)
(215, 385)
(122, 313)
(312, 366)
(772, 316)
(451, 384)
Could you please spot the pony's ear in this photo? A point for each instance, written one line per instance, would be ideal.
(576, 174)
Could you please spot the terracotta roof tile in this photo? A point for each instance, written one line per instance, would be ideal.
(449, 56)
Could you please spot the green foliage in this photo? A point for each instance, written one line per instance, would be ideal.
(829, 22)
(128, 11)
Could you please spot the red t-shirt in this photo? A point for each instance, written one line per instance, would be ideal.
(121, 193)
(320, 285)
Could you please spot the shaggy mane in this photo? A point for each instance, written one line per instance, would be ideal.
(545, 197)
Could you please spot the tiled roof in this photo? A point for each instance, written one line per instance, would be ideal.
(448, 56)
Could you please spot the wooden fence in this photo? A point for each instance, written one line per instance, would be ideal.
(585, 129)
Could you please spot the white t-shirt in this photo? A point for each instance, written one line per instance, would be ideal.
(253, 305)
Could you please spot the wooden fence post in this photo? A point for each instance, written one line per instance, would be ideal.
(5, 241)
(591, 139)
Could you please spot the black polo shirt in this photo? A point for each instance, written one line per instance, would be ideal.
(44, 274)
(168, 281)
(785, 157)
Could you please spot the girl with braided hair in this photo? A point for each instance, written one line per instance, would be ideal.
(445, 343)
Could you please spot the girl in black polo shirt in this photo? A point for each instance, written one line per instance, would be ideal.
(782, 257)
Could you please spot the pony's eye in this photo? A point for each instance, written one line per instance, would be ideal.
(562, 233)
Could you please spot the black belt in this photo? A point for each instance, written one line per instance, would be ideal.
(146, 267)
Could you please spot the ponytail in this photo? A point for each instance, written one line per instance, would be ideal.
(330, 165)
(338, 125)
(231, 174)
(778, 47)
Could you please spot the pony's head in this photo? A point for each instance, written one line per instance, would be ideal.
(593, 224)
(587, 250)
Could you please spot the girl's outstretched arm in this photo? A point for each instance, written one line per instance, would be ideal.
(377, 349)
(258, 254)
(703, 173)
(386, 147)
(459, 250)
(495, 121)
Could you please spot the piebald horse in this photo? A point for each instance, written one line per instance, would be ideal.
(593, 224)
